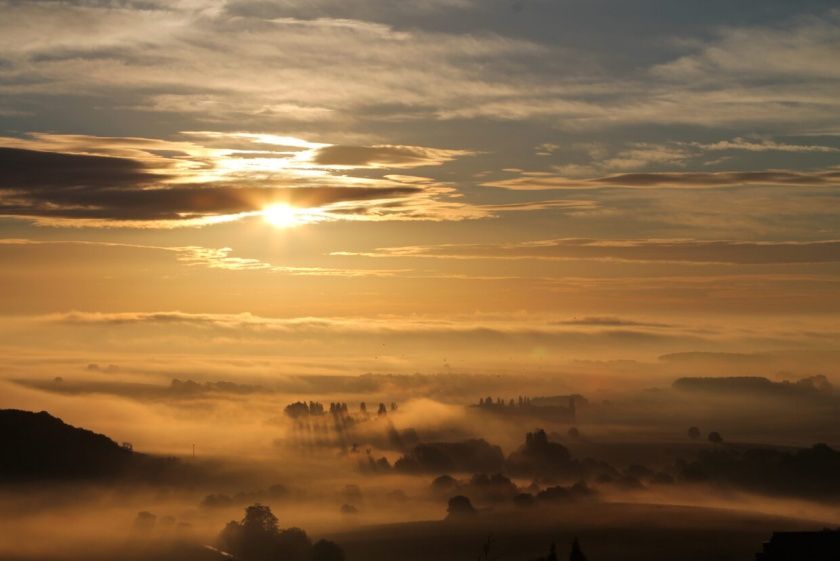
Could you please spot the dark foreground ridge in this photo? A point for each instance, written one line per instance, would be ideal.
(39, 446)
(802, 546)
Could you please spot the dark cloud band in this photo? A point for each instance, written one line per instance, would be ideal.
(59, 185)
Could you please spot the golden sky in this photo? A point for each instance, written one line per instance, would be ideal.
(423, 186)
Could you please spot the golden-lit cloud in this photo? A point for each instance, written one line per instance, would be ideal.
(383, 156)
(97, 181)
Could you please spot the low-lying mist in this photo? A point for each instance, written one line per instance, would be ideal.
(335, 455)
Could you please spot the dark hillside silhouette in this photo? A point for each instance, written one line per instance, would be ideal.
(38, 445)
(813, 387)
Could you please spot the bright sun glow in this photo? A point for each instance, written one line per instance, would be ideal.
(283, 216)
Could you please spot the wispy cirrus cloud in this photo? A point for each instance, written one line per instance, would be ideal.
(220, 258)
(676, 251)
(547, 181)
(594, 160)
(765, 145)
(251, 61)
(608, 321)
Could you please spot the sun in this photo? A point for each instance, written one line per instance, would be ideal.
(282, 216)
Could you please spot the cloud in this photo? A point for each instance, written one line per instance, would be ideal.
(765, 146)
(572, 205)
(594, 160)
(213, 258)
(84, 180)
(544, 181)
(800, 49)
(607, 321)
(48, 171)
(412, 336)
(383, 156)
(465, 331)
(46, 184)
(673, 251)
(250, 63)
(171, 59)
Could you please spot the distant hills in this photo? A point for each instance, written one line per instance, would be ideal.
(40, 446)
(813, 386)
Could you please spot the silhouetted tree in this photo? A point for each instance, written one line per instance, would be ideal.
(576, 554)
(348, 509)
(444, 483)
(325, 550)
(144, 523)
(216, 500)
(382, 409)
(485, 550)
(524, 500)
(494, 487)
(293, 545)
(715, 437)
(297, 409)
(693, 433)
(259, 519)
(460, 508)
(258, 538)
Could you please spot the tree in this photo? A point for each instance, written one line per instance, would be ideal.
(292, 545)
(460, 508)
(715, 437)
(297, 409)
(576, 554)
(144, 522)
(693, 433)
(259, 519)
(444, 483)
(258, 538)
(325, 550)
